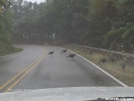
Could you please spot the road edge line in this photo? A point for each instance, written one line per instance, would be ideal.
(123, 84)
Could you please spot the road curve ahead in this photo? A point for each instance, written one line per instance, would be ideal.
(35, 69)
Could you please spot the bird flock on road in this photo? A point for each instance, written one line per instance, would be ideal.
(63, 51)
(103, 60)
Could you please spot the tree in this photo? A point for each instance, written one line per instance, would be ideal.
(87, 22)
(5, 21)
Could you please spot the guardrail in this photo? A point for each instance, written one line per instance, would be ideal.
(104, 51)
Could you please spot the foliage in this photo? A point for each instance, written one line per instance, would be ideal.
(5, 21)
(98, 23)
(123, 37)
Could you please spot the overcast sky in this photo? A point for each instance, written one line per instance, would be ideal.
(38, 1)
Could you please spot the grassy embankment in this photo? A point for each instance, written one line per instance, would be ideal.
(114, 69)
(6, 49)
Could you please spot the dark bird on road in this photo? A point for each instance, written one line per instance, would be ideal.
(51, 52)
(64, 51)
(70, 56)
(103, 60)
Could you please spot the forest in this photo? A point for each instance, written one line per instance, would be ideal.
(107, 24)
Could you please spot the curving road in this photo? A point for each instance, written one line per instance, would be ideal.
(34, 69)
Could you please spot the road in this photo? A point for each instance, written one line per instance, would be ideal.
(34, 69)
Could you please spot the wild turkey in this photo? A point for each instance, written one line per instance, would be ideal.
(123, 65)
(70, 56)
(64, 51)
(51, 52)
(103, 60)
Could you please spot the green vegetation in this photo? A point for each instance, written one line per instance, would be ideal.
(114, 68)
(97, 23)
(5, 21)
(123, 37)
(6, 48)
(16, 50)
(6, 29)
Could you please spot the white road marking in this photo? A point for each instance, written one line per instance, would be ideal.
(124, 85)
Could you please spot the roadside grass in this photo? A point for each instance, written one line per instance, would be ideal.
(16, 50)
(6, 48)
(114, 68)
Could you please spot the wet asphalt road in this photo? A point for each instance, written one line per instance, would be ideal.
(54, 71)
